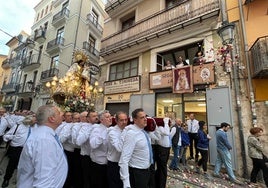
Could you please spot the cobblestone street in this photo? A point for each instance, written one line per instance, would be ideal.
(176, 179)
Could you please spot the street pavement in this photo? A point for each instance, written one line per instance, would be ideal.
(176, 179)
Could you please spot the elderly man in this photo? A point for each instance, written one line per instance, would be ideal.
(42, 161)
(136, 156)
(99, 150)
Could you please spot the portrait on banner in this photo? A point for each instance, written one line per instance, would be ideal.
(182, 80)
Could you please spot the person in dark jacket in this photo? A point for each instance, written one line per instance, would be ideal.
(202, 146)
(185, 143)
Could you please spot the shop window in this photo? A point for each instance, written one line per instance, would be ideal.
(124, 70)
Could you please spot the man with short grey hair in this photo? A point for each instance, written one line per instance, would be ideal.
(42, 161)
(99, 150)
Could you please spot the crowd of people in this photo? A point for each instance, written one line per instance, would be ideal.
(51, 148)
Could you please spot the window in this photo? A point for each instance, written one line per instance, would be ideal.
(172, 3)
(54, 62)
(37, 17)
(91, 41)
(60, 34)
(128, 21)
(95, 17)
(42, 12)
(46, 9)
(124, 70)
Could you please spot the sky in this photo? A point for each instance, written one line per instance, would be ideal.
(15, 15)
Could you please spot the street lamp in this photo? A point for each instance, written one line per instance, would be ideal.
(226, 32)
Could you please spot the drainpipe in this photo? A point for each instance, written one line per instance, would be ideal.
(237, 96)
(244, 37)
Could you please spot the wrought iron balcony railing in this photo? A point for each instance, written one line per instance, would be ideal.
(30, 62)
(90, 49)
(60, 17)
(50, 73)
(55, 45)
(8, 88)
(94, 22)
(161, 23)
(259, 56)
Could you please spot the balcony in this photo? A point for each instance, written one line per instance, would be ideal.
(40, 36)
(47, 75)
(91, 52)
(9, 88)
(114, 7)
(94, 25)
(15, 61)
(6, 64)
(30, 63)
(61, 17)
(25, 90)
(55, 45)
(161, 23)
(259, 56)
(30, 43)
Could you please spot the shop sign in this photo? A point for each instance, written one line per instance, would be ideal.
(161, 79)
(124, 97)
(131, 84)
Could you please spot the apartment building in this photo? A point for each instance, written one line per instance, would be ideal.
(12, 71)
(140, 37)
(60, 27)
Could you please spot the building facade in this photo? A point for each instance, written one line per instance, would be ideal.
(59, 28)
(140, 37)
(250, 17)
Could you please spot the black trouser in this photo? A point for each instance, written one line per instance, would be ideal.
(77, 168)
(139, 178)
(14, 157)
(204, 159)
(193, 144)
(161, 157)
(86, 170)
(259, 164)
(99, 175)
(69, 182)
(113, 175)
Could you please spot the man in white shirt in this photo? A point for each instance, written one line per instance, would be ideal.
(83, 141)
(42, 161)
(17, 136)
(162, 154)
(136, 157)
(193, 127)
(114, 150)
(68, 146)
(99, 150)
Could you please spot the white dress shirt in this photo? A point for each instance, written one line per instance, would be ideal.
(165, 137)
(3, 125)
(98, 144)
(115, 143)
(19, 138)
(42, 161)
(193, 126)
(83, 138)
(74, 132)
(135, 153)
(65, 137)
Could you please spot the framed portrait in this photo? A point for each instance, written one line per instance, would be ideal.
(182, 80)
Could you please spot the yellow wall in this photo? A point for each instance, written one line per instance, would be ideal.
(255, 16)
(260, 88)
